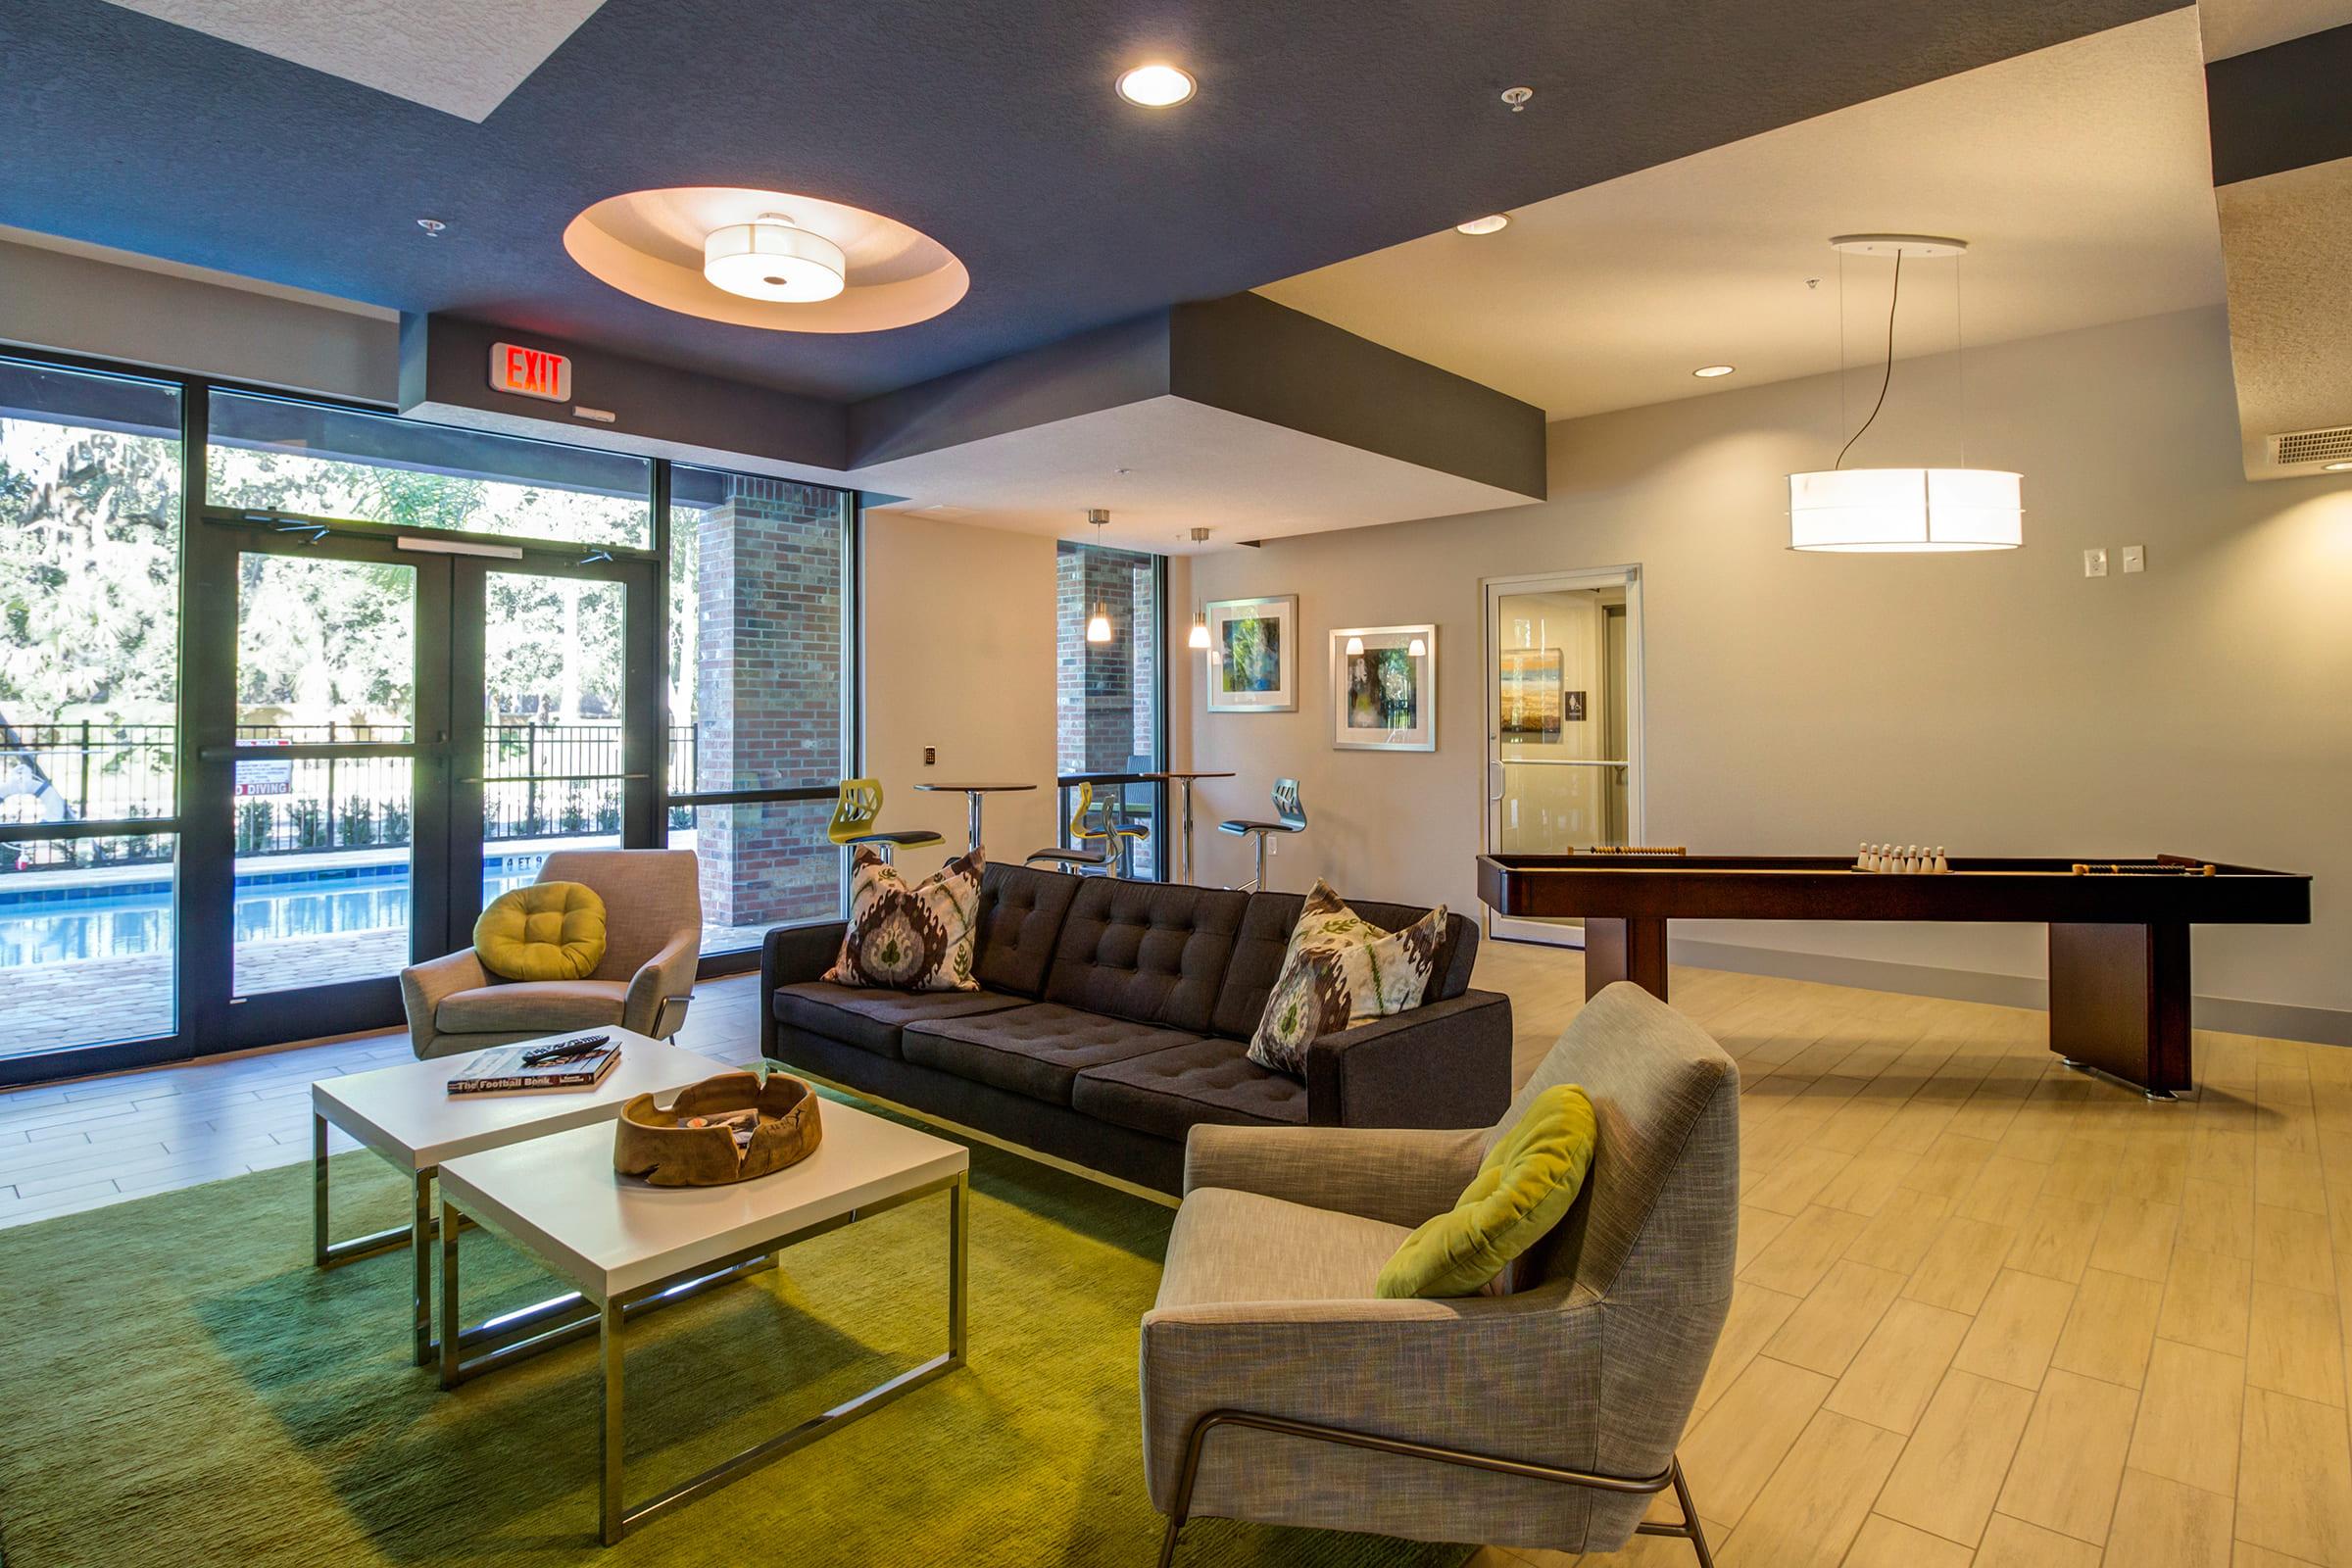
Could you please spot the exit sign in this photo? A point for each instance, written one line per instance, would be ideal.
(530, 372)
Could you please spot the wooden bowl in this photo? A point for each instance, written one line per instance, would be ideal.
(657, 1146)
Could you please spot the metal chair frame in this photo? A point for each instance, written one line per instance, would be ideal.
(1114, 834)
(1290, 816)
(859, 809)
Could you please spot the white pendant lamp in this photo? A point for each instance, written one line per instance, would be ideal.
(768, 259)
(1098, 624)
(1903, 511)
(1199, 636)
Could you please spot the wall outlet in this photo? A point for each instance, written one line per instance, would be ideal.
(2135, 559)
(930, 757)
(2094, 563)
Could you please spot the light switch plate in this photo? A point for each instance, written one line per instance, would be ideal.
(2135, 559)
(2094, 563)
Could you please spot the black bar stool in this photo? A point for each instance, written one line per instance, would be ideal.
(1290, 816)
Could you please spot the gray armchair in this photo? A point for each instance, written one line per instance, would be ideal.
(1277, 1387)
(653, 937)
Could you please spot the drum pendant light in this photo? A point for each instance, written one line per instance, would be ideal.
(1894, 511)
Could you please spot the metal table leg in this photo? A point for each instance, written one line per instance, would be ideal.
(1188, 830)
(614, 1517)
(973, 798)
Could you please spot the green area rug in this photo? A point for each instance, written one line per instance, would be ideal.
(181, 1386)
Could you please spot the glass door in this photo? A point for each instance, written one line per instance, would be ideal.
(553, 729)
(1563, 723)
(322, 708)
(395, 730)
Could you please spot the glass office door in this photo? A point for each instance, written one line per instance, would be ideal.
(1563, 723)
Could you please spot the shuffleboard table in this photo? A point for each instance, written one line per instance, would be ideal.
(2119, 929)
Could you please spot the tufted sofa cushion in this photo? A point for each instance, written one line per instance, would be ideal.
(1166, 1093)
(1021, 912)
(1265, 936)
(1150, 951)
(1034, 1051)
(870, 1017)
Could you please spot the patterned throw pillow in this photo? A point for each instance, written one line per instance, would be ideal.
(904, 938)
(1341, 969)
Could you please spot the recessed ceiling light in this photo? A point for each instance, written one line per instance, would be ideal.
(1492, 223)
(2336, 468)
(1155, 87)
(1710, 372)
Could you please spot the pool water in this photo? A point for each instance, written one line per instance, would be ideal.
(50, 924)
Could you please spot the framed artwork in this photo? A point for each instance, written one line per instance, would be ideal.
(1253, 654)
(1528, 697)
(1384, 688)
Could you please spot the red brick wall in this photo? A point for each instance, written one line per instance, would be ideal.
(769, 662)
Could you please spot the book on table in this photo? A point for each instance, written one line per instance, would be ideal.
(506, 1070)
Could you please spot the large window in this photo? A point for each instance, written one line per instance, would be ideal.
(760, 695)
(91, 525)
(282, 455)
(1109, 728)
(384, 669)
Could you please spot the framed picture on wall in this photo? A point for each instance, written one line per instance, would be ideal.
(1384, 688)
(1528, 697)
(1253, 654)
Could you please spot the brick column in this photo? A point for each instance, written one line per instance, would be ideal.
(768, 690)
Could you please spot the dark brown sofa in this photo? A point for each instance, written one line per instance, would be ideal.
(1114, 1016)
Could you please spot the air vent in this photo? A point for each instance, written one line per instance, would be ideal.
(2312, 446)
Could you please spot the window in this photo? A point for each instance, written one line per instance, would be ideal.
(760, 695)
(90, 522)
(279, 455)
(1109, 720)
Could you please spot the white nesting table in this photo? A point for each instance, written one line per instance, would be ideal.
(407, 1115)
(628, 1246)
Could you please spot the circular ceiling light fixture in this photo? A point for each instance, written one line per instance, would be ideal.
(1910, 510)
(768, 259)
(727, 253)
(1492, 223)
(1156, 86)
(1709, 372)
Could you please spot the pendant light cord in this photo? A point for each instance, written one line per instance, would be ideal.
(1893, 295)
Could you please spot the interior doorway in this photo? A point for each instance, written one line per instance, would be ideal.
(1563, 723)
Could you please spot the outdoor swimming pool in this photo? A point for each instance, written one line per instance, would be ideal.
(49, 922)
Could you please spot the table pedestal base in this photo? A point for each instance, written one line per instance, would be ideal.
(1632, 949)
(2119, 1003)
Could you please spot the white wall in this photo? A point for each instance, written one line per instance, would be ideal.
(1997, 704)
(959, 651)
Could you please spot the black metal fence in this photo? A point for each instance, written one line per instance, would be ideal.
(539, 781)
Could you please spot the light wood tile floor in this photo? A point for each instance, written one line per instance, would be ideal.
(1988, 1311)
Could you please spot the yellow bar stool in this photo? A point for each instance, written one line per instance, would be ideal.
(1113, 835)
(856, 811)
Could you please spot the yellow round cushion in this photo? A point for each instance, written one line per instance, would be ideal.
(547, 931)
(1522, 1188)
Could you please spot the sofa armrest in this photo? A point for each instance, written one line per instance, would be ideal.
(1399, 1176)
(424, 985)
(791, 955)
(1445, 1064)
(666, 974)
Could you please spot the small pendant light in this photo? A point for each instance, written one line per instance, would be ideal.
(1199, 636)
(1098, 624)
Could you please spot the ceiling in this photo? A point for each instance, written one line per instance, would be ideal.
(265, 144)
(1180, 463)
(2081, 175)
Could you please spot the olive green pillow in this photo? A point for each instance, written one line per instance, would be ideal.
(1522, 1188)
(542, 931)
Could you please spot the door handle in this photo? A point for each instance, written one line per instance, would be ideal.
(1494, 778)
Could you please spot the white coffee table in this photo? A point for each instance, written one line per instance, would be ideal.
(407, 1115)
(628, 1246)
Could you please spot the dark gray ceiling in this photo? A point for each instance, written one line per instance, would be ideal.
(1324, 128)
